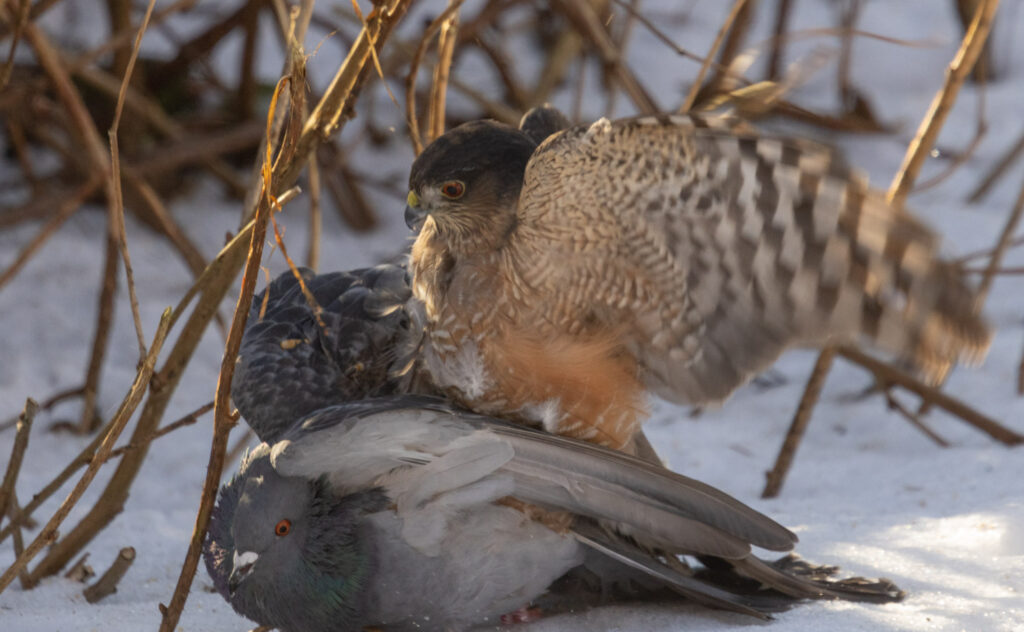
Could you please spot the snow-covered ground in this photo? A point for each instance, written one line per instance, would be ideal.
(867, 492)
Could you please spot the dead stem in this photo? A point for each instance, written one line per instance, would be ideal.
(888, 375)
(71, 203)
(1000, 250)
(801, 418)
(442, 69)
(49, 532)
(584, 18)
(928, 131)
(17, 455)
(85, 457)
(412, 120)
(107, 584)
(998, 170)
(779, 39)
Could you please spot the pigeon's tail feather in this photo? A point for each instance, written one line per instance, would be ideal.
(693, 589)
(794, 577)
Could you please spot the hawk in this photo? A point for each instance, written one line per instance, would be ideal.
(674, 255)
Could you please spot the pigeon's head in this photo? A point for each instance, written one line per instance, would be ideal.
(284, 551)
(466, 183)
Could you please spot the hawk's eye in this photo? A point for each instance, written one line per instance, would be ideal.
(283, 528)
(453, 189)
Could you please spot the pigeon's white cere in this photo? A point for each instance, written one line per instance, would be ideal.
(241, 560)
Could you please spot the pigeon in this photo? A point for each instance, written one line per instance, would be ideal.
(296, 358)
(406, 513)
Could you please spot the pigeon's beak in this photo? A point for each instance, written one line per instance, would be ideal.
(240, 569)
(414, 213)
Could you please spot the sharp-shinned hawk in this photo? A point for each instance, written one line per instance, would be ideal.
(677, 255)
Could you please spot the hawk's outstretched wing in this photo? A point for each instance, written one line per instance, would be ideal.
(715, 250)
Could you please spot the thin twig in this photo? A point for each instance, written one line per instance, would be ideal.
(90, 418)
(17, 454)
(963, 260)
(584, 18)
(730, 56)
(117, 203)
(442, 69)
(888, 375)
(412, 120)
(20, 19)
(124, 412)
(959, 68)
(801, 418)
(85, 457)
(698, 83)
(187, 420)
(912, 417)
(998, 170)
(779, 39)
(1000, 250)
(18, 540)
(65, 210)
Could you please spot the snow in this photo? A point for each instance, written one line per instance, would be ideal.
(867, 492)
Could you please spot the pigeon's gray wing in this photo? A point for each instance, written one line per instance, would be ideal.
(293, 362)
(543, 121)
(362, 443)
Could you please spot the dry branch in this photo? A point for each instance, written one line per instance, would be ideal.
(411, 116)
(17, 455)
(442, 69)
(124, 412)
(65, 210)
(998, 170)
(1000, 250)
(222, 419)
(584, 19)
(801, 418)
(886, 375)
(928, 132)
(18, 542)
(85, 457)
(775, 58)
(107, 584)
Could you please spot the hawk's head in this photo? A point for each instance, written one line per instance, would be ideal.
(467, 182)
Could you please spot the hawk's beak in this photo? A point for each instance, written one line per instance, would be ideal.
(241, 567)
(414, 213)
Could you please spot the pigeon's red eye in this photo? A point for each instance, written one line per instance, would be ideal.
(453, 189)
(283, 527)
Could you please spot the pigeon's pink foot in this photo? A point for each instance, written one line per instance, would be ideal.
(525, 614)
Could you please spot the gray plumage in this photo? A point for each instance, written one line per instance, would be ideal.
(543, 121)
(398, 519)
(294, 360)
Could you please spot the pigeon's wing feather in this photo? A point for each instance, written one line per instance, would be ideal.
(296, 358)
(362, 443)
(694, 589)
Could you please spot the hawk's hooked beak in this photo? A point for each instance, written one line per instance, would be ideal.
(241, 567)
(414, 213)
